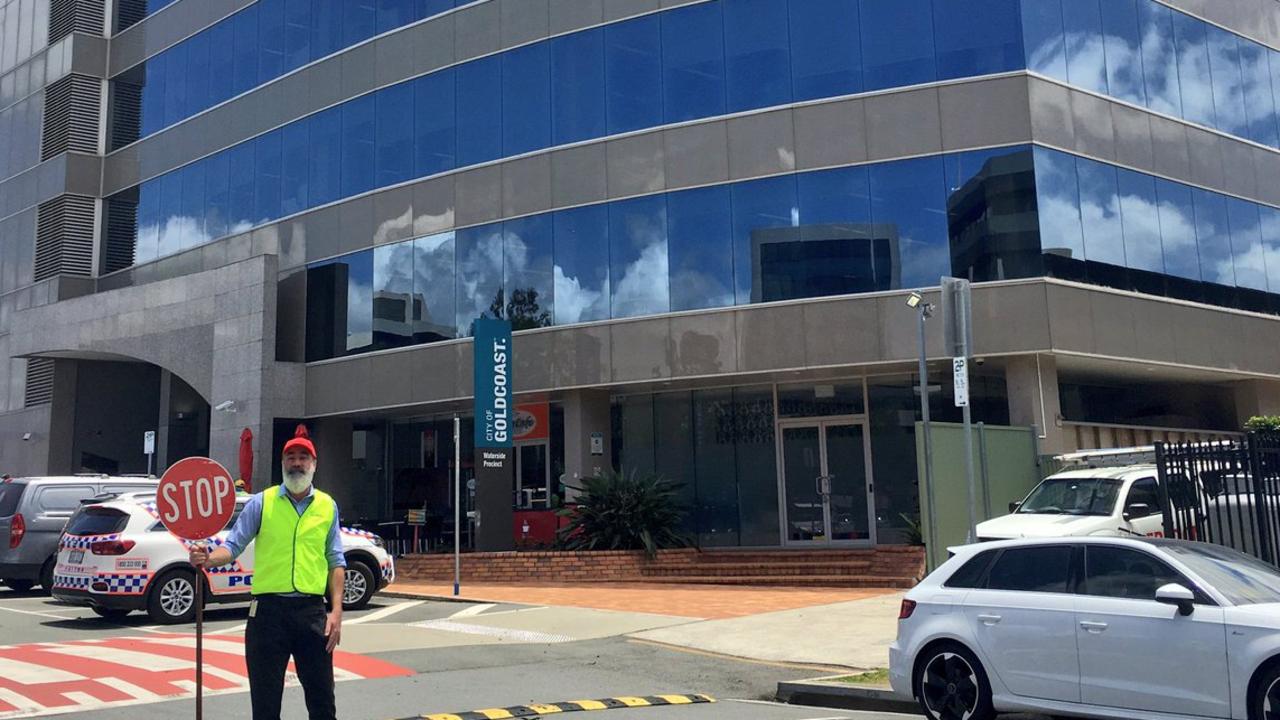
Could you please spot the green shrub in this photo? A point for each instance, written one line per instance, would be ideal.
(1263, 423)
(625, 511)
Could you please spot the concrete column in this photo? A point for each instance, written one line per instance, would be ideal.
(1032, 383)
(63, 455)
(586, 412)
(162, 461)
(1256, 397)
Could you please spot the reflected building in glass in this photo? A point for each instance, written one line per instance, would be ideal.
(702, 220)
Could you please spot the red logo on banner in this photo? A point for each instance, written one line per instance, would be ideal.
(533, 422)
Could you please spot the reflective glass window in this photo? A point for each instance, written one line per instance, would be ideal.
(693, 62)
(1122, 41)
(1273, 63)
(1100, 213)
(1044, 37)
(1058, 209)
(700, 238)
(392, 14)
(245, 68)
(190, 223)
(1140, 217)
(1192, 42)
(528, 272)
(358, 145)
(243, 196)
(1246, 244)
(222, 62)
(826, 48)
(991, 203)
(1228, 86)
(394, 135)
(175, 93)
(1086, 56)
(153, 95)
(326, 27)
(897, 43)
(526, 89)
(325, 173)
(582, 264)
(170, 212)
(1213, 236)
(1270, 222)
(764, 211)
(197, 74)
(295, 167)
(434, 316)
(359, 21)
(359, 301)
(757, 58)
(633, 74)
(435, 7)
(1159, 58)
(1259, 102)
(270, 40)
(908, 205)
(297, 34)
(479, 113)
(147, 247)
(836, 249)
(218, 191)
(393, 301)
(638, 257)
(479, 275)
(434, 135)
(978, 37)
(268, 177)
(1178, 230)
(578, 87)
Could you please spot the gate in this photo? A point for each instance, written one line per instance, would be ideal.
(1224, 492)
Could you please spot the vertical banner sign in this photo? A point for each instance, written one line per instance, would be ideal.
(495, 430)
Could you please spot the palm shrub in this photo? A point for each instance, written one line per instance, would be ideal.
(625, 511)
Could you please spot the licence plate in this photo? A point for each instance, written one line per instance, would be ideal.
(75, 557)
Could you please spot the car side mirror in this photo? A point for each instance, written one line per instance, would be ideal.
(1013, 506)
(1175, 594)
(1137, 511)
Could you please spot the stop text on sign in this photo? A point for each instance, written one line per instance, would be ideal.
(210, 496)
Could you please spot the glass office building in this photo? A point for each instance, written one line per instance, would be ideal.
(700, 216)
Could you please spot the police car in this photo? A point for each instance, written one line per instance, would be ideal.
(116, 557)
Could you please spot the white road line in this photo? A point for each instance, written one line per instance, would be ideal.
(504, 634)
(238, 679)
(214, 644)
(385, 612)
(234, 629)
(31, 673)
(128, 688)
(37, 614)
(22, 702)
(132, 658)
(85, 701)
(472, 611)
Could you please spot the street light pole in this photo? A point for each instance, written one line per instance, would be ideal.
(924, 310)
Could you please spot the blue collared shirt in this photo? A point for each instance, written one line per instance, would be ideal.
(250, 522)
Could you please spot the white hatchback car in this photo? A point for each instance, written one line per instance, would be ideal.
(115, 557)
(1128, 628)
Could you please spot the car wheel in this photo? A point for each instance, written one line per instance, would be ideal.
(110, 613)
(172, 598)
(1264, 701)
(359, 586)
(46, 576)
(20, 585)
(952, 685)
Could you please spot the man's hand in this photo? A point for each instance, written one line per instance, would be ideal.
(333, 629)
(199, 555)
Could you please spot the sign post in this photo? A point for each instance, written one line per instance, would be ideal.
(149, 448)
(957, 321)
(195, 500)
(495, 429)
(457, 505)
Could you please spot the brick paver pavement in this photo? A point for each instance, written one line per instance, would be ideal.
(694, 601)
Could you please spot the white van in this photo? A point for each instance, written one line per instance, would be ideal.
(1116, 501)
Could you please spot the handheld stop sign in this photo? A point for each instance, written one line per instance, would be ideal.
(195, 500)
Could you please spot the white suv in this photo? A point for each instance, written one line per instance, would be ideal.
(115, 556)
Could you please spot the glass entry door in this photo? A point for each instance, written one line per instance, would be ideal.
(533, 476)
(825, 482)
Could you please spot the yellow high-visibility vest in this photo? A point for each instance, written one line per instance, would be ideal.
(291, 551)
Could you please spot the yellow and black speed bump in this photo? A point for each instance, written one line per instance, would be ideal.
(527, 712)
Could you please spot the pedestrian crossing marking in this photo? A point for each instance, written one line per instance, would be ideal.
(530, 712)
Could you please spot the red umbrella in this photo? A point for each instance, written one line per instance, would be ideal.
(246, 459)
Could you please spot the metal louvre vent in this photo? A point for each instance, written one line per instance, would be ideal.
(70, 16)
(126, 114)
(39, 382)
(72, 109)
(122, 218)
(129, 13)
(64, 237)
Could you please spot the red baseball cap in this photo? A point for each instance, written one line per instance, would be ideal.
(302, 440)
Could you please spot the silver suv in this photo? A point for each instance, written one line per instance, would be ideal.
(33, 512)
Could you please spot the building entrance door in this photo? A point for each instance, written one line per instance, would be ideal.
(826, 477)
(533, 475)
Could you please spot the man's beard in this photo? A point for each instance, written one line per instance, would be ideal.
(298, 481)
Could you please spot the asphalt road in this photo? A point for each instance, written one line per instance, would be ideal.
(455, 658)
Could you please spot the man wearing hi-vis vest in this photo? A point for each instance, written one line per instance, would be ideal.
(297, 557)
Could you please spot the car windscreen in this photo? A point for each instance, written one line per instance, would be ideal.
(1242, 579)
(1072, 496)
(10, 494)
(95, 520)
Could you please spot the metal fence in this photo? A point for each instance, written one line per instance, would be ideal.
(1225, 492)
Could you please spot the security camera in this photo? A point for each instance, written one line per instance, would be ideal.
(979, 361)
(26, 437)
(226, 406)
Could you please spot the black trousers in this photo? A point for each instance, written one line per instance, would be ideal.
(283, 626)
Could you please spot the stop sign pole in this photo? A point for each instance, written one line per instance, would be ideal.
(195, 500)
